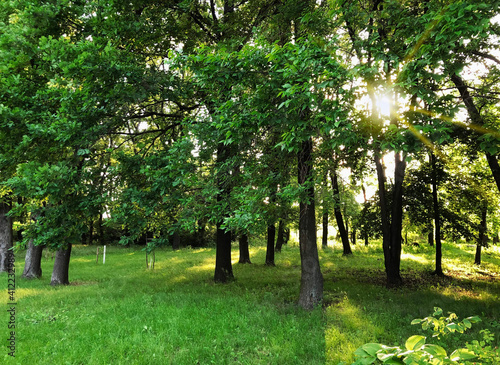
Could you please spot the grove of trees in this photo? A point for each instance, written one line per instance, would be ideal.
(177, 118)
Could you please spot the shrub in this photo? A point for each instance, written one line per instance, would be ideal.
(416, 351)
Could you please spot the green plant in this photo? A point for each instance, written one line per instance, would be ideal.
(417, 351)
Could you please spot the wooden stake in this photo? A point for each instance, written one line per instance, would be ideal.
(97, 256)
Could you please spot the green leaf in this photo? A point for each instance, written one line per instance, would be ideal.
(364, 358)
(462, 354)
(415, 342)
(437, 311)
(452, 327)
(371, 348)
(435, 350)
(473, 319)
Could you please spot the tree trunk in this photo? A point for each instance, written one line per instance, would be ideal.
(91, 232)
(101, 232)
(346, 223)
(244, 252)
(394, 277)
(223, 266)
(430, 237)
(33, 261)
(477, 257)
(287, 236)
(353, 236)
(280, 240)
(22, 219)
(338, 214)
(391, 227)
(383, 203)
(437, 219)
(6, 237)
(324, 240)
(482, 236)
(364, 230)
(176, 240)
(311, 282)
(477, 119)
(61, 267)
(271, 234)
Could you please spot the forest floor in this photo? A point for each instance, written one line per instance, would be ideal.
(121, 312)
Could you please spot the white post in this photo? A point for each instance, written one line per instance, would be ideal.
(104, 255)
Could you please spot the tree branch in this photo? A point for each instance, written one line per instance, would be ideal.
(136, 134)
(486, 55)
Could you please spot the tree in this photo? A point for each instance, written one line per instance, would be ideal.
(6, 237)
(244, 253)
(338, 214)
(437, 217)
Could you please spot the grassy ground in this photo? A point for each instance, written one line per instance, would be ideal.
(123, 313)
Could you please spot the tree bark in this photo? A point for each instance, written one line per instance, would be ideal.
(324, 239)
(394, 277)
(244, 252)
(101, 231)
(381, 178)
(391, 227)
(223, 266)
(430, 237)
(6, 237)
(311, 282)
(280, 240)
(437, 220)
(477, 257)
(33, 261)
(338, 214)
(61, 267)
(271, 234)
(482, 236)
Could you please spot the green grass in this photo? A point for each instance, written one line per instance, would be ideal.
(123, 313)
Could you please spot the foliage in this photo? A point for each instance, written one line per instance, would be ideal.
(416, 351)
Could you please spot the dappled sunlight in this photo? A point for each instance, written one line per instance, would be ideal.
(347, 328)
(81, 260)
(22, 293)
(417, 259)
(206, 266)
(464, 292)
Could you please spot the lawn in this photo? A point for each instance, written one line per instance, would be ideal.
(121, 312)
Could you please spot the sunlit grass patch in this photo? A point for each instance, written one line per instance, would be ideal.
(121, 312)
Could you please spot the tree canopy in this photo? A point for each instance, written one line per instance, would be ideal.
(165, 118)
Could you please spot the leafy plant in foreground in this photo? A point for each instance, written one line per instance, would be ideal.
(417, 351)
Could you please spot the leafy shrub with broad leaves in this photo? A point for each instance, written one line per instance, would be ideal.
(416, 351)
